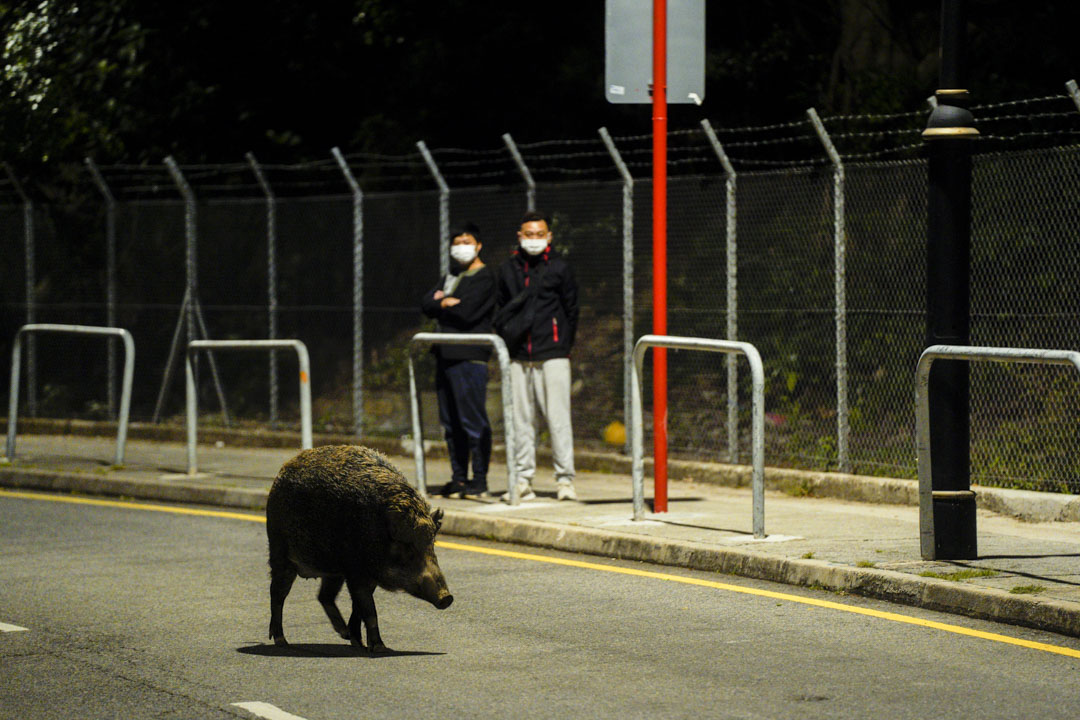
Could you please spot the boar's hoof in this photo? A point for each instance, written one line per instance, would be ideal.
(281, 641)
(379, 649)
(356, 642)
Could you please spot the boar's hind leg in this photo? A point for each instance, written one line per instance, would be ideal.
(364, 611)
(281, 579)
(329, 590)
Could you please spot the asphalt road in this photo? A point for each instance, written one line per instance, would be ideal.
(133, 613)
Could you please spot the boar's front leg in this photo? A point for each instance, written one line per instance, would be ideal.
(362, 592)
(329, 590)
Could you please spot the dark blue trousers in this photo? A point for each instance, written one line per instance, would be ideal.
(461, 386)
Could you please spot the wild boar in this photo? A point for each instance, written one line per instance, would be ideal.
(343, 513)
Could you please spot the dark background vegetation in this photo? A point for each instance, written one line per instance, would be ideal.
(129, 81)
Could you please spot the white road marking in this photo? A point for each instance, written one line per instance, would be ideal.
(266, 710)
(183, 476)
(4, 627)
(503, 507)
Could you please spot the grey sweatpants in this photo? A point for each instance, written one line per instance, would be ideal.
(545, 386)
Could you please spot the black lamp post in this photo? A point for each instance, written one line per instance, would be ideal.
(948, 134)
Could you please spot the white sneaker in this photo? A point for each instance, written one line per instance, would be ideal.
(566, 491)
(524, 492)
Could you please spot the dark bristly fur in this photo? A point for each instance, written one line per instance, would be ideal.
(345, 514)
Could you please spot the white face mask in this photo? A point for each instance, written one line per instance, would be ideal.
(533, 246)
(464, 254)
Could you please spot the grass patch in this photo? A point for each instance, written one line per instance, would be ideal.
(960, 574)
(804, 488)
(864, 563)
(807, 556)
(1026, 589)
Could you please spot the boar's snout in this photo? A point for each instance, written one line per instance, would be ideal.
(433, 586)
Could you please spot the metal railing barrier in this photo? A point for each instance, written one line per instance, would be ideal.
(927, 493)
(192, 396)
(503, 357)
(757, 373)
(125, 398)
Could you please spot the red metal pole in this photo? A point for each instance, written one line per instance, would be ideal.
(660, 253)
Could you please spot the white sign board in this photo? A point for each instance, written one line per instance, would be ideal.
(628, 65)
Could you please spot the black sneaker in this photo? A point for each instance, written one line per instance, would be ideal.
(476, 492)
(453, 490)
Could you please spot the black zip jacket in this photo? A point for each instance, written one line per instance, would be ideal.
(476, 290)
(556, 303)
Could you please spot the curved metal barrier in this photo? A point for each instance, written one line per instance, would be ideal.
(507, 400)
(1029, 356)
(125, 397)
(757, 414)
(192, 396)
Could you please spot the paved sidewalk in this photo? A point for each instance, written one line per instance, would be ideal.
(1028, 573)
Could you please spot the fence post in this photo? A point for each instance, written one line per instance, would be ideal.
(530, 184)
(31, 309)
(1074, 92)
(444, 209)
(271, 280)
(358, 291)
(190, 259)
(110, 274)
(732, 292)
(191, 308)
(628, 277)
(843, 429)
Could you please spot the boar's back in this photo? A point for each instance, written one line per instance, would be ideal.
(338, 507)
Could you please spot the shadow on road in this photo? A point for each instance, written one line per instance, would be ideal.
(329, 650)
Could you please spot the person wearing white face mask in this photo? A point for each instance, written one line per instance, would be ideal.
(463, 302)
(537, 297)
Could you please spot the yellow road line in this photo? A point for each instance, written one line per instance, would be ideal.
(894, 617)
(132, 505)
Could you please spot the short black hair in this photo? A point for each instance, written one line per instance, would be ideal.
(535, 216)
(465, 228)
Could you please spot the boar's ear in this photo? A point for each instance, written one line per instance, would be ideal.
(437, 517)
(407, 527)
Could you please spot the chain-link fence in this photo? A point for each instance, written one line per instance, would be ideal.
(300, 252)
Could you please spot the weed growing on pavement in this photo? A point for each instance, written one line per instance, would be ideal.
(804, 488)
(960, 574)
(1026, 589)
(807, 556)
(864, 563)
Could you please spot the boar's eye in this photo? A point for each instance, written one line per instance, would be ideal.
(400, 553)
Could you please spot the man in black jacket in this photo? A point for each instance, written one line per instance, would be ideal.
(463, 303)
(538, 295)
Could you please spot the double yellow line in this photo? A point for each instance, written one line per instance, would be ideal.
(787, 597)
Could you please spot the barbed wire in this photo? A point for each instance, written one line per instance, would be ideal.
(875, 118)
(1019, 136)
(998, 118)
(754, 128)
(874, 133)
(546, 143)
(775, 145)
(436, 152)
(1012, 103)
(882, 153)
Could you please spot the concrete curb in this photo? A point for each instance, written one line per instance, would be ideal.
(931, 593)
(1026, 505)
(901, 588)
(178, 492)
